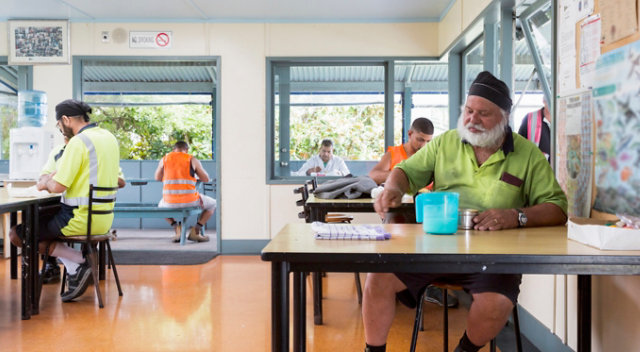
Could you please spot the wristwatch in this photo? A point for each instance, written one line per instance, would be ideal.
(522, 218)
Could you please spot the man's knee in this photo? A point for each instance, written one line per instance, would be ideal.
(495, 305)
(14, 238)
(383, 282)
(44, 245)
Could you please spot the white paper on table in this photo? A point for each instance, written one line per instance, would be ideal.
(28, 192)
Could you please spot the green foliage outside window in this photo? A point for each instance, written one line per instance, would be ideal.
(8, 121)
(357, 131)
(149, 132)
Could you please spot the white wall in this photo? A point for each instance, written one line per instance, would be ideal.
(249, 208)
(459, 17)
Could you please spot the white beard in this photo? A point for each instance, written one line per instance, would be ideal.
(486, 139)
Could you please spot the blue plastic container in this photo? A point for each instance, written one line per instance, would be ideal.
(32, 108)
(438, 212)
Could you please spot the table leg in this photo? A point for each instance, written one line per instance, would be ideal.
(34, 218)
(101, 261)
(299, 312)
(14, 249)
(27, 254)
(584, 313)
(279, 307)
(317, 214)
(317, 297)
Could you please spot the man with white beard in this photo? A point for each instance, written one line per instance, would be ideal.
(494, 170)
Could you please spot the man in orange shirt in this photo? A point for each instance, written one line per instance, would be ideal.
(420, 133)
(177, 171)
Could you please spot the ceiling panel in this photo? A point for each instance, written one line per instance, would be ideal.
(228, 11)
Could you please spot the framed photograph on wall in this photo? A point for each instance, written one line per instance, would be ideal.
(38, 42)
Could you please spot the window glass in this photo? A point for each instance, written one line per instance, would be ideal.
(8, 119)
(474, 64)
(149, 104)
(435, 107)
(540, 23)
(529, 93)
(428, 84)
(147, 125)
(344, 103)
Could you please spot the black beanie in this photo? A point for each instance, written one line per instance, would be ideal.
(72, 107)
(489, 87)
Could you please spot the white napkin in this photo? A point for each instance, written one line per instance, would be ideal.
(29, 192)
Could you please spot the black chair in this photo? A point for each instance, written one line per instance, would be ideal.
(89, 242)
(417, 325)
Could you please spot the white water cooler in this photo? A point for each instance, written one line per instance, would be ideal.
(30, 147)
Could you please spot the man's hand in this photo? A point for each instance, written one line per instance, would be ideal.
(314, 169)
(42, 182)
(496, 219)
(389, 198)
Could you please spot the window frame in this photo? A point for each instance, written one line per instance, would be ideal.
(271, 66)
(78, 90)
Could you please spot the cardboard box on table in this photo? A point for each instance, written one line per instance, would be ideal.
(595, 233)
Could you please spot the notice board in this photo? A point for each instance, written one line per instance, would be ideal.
(599, 43)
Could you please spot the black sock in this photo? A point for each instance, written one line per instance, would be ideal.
(52, 260)
(370, 348)
(174, 223)
(199, 226)
(465, 345)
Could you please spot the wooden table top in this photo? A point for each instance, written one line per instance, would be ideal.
(6, 200)
(410, 239)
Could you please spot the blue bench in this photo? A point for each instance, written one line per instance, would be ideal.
(151, 210)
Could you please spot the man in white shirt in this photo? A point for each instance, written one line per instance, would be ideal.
(324, 164)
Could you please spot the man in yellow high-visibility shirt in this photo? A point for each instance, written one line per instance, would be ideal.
(91, 157)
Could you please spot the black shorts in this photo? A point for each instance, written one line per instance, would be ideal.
(505, 284)
(51, 222)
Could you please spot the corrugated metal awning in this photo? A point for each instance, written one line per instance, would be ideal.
(131, 76)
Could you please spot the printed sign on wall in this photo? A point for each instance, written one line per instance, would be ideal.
(150, 40)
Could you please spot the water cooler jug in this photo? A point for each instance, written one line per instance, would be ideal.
(32, 108)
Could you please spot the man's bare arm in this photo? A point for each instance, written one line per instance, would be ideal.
(200, 171)
(381, 171)
(159, 171)
(544, 214)
(395, 187)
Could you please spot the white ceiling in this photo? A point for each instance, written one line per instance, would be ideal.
(270, 11)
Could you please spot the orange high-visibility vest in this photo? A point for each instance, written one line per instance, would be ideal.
(397, 155)
(178, 185)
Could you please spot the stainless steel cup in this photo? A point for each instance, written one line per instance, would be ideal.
(465, 219)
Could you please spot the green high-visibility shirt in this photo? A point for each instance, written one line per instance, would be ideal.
(517, 175)
(91, 157)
